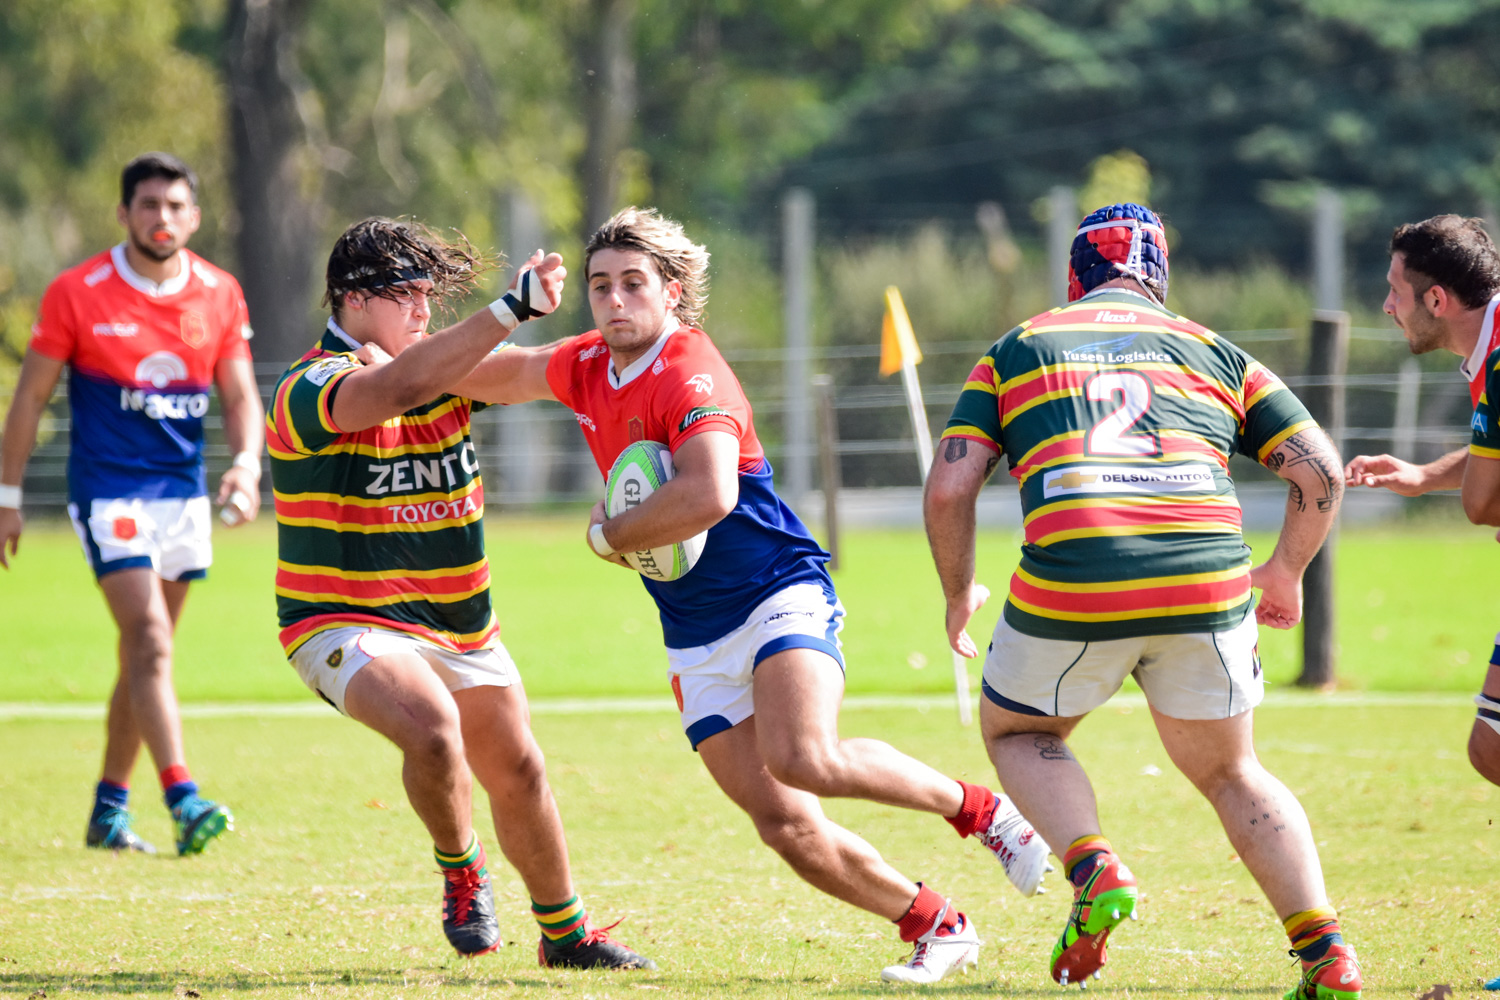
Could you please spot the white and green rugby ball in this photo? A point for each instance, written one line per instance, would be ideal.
(638, 472)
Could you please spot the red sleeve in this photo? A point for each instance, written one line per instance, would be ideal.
(55, 332)
(234, 339)
(560, 370)
(701, 394)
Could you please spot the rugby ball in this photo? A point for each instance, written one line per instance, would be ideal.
(638, 472)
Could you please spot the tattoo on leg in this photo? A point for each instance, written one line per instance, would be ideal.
(989, 467)
(1267, 814)
(1052, 748)
(955, 449)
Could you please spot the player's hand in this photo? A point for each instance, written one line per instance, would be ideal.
(242, 486)
(596, 516)
(1280, 595)
(371, 353)
(960, 610)
(535, 291)
(1386, 472)
(10, 533)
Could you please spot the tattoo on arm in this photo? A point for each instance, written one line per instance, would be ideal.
(1310, 448)
(1052, 748)
(955, 449)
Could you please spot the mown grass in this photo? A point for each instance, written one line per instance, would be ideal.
(1416, 612)
(327, 888)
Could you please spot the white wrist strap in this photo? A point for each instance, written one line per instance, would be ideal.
(596, 539)
(247, 460)
(10, 496)
(502, 312)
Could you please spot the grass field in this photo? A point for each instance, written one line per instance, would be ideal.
(327, 889)
(1416, 612)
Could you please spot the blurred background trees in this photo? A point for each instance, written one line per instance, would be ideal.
(514, 119)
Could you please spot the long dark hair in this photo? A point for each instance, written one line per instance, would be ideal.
(377, 254)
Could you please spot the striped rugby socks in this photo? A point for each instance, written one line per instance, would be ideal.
(562, 923)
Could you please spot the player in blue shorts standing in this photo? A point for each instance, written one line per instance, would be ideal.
(146, 328)
(752, 630)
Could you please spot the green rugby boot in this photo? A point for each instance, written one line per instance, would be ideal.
(1105, 898)
(1335, 976)
(198, 821)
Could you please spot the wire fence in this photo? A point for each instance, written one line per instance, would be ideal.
(535, 454)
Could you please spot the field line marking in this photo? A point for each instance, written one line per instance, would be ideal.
(663, 704)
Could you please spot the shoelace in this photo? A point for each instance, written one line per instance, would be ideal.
(599, 935)
(463, 883)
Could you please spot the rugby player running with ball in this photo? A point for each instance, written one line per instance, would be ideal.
(752, 630)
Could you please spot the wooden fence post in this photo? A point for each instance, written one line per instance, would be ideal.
(1328, 361)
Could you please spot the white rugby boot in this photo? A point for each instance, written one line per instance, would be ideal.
(937, 953)
(1020, 849)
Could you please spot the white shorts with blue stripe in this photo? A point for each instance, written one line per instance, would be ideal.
(714, 683)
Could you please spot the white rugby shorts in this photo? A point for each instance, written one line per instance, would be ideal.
(329, 659)
(1196, 675)
(169, 536)
(714, 684)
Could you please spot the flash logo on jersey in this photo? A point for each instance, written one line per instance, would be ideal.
(703, 383)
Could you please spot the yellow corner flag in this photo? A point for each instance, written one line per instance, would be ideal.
(898, 345)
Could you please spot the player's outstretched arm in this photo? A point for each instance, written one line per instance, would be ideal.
(510, 374)
(39, 375)
(959, 471)
(244, 431)
(1409, 480)
(427, 369)
(1481, 490)
(704, 490)
(1310, 465)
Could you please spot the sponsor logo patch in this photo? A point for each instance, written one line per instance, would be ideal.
(697, 413)
(1125, 479)
(161, 369)
(1479, 422)
(703, 383)
(116, 329)
(585, 420)
(320, 373)
(1116, 351)
(335, 658)
(124, 528)
(659, 367)
(593, 352)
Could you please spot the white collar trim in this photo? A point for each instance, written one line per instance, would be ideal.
(1474, 363)
(145, 285)
(338, 331)
(638, 367)
(1117, 288)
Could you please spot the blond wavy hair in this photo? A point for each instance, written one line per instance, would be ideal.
(676, 257)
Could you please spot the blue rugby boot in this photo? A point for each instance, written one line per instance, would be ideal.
(198, 821)
(109, 828)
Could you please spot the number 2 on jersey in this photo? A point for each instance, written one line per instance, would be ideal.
(1112, 435)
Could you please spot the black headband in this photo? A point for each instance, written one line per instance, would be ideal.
(368, 279)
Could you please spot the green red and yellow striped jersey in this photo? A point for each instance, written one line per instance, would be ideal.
(382, 526)
(1117, 418)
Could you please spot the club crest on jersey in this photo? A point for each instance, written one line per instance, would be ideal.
(637, 428)
(194, 329)
(703, 383)
(697, 413)
(335, 658)
(124, 528)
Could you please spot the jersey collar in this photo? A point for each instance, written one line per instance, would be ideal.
(640, 364)
(145, 285)
(338, 332)
(1474, 363)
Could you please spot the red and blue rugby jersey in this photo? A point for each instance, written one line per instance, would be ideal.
(141, 359)
(683, 387)
(1117, 418)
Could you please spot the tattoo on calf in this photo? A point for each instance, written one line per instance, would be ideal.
(989, 467)
(955, 450)
(1267, 813)
(1052, 748)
